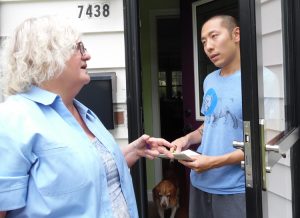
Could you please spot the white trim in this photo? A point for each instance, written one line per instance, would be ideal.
(103, 32)
(195, 47)
(149, 195)
(153, 15)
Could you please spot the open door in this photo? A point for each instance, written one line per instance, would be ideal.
(269, 60)
(269, 89)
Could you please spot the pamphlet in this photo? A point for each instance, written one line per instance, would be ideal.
(183, 155)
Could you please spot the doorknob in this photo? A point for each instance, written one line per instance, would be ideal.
(238, 145)
(268, 169)
(274, 148)
(243, 165)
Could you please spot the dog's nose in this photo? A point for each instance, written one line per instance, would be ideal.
(164, 205)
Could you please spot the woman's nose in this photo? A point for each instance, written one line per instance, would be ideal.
(86, 56)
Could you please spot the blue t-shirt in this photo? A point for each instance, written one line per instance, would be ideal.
(49, 167)
(222, 108)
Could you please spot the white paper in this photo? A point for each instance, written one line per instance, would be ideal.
(184, 155)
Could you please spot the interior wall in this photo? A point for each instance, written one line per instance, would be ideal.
(187, 62)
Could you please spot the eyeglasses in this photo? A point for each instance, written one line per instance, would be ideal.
(81, 48)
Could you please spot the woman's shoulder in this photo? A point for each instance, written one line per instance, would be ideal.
(17, 108)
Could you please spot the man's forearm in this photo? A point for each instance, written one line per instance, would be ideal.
(195, 137)
(234, 157)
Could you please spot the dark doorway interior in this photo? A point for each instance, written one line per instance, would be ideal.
(170, 98)
(170, 78)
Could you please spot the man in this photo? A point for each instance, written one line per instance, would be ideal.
(217, 181)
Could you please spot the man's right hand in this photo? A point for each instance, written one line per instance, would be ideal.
(179, 144)
(191, 138)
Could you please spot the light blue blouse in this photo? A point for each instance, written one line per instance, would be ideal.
(49, 168)
(119, 205)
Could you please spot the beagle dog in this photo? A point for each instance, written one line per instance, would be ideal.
(166, 196)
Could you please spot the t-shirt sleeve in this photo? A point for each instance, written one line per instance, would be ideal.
(202, 102)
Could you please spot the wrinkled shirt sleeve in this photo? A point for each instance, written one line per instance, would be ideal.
(14, 167)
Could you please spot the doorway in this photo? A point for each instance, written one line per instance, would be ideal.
(169, 99)
(251, 66)
(169, 77)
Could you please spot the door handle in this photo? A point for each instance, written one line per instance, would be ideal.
(238, 145)
(274, 148)
(243, 165)
(265, 149)
(271, 154)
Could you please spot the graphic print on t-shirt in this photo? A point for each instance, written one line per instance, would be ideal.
(218, 109)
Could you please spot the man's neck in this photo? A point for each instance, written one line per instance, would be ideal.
(229, 71)
(231, 68)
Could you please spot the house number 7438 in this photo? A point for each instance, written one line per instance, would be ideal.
(95, 10)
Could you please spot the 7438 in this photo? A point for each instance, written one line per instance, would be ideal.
(95, 10)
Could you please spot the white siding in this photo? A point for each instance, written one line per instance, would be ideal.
(272, 49)
(279, 204)
(106, 49)
(102, 36)
(17, 11)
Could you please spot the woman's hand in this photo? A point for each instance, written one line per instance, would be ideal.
(160, 146)
(143, 149)
(146, 146)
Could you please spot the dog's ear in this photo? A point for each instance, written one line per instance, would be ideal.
(154, 193)
(173, 195)
(173, 191)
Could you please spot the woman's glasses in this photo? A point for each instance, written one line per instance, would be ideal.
(81, 48)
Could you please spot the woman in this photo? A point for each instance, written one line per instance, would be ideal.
(57, 159)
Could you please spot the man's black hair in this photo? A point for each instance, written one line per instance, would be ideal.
(228, 21)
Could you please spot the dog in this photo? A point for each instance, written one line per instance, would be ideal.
(166, 196)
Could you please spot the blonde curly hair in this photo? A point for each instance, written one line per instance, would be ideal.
(37, 52)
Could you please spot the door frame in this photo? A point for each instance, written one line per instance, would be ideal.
(292, 26)
(250, 94)
(134, 99)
